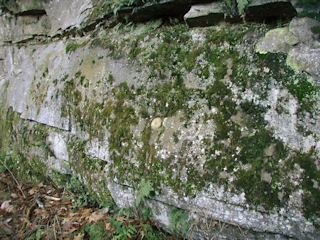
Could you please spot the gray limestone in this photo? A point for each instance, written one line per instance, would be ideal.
(39, 82)
(305, 58)
(301, 27)
(204, 15)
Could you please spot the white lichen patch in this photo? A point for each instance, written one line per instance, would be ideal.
(58, 145)
(197, 36)
(98, 149)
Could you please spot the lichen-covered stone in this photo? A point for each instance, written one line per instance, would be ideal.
(25, 7)
(305, 58)
(301, 27)
(70, 15)
(298, 41)
(239, 136)
(277, 40)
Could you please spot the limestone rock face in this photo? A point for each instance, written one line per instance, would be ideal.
(63, 17)
(26, 7)
(301, 27)
(22, 28)
(304, 58)
(218, 131)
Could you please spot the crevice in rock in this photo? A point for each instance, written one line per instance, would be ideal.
(234, 227)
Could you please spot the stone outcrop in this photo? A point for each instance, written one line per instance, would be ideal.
(269, 11)
(302, 28)
(209, 14)
(277, 40)
(220, 132)
(299, 42)
(25, 7)
(305, 58)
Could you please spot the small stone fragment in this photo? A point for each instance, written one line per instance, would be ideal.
(277, 40)
(269, 151)
(301, 27)
(202, 15)
(266, 177)
(156, 123)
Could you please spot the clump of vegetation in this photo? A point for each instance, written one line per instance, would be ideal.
(72, 46)
(65, 212)
(168, 62)
(235, 8)
(308, 3)
(179, 222)
(316, 29)
(308, 7)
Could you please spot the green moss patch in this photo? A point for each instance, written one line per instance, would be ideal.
(237, 149)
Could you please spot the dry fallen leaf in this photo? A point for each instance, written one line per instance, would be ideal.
(6, 206)
(33, 190)
(67, 225)
(121, 219)
(7, 229)
(95, 217)
(72, 230)
(85, 211)
(214, 223)
(79, 236)
(108, 227)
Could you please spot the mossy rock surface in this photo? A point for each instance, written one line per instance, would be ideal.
(238, 134)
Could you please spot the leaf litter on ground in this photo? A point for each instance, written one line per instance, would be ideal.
(40, 211)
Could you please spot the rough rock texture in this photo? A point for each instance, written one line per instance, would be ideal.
(22, 28)
(25, 7)
(159, 9)
(68, 17)
(204, 15)
(299, 42)
(277, 40)
(269, 10)
(301, 27)
(220, 132)
(304, 58)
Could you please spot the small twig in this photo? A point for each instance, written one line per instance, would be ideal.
(52, 198)
(29, 212)
(222, 227)
(29, 233)
(59, 226)
(54, 228)
(18, 184)
(242, 233)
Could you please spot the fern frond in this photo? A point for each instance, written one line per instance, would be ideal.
(143, 192)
